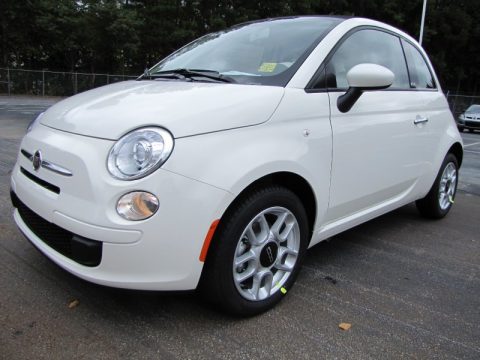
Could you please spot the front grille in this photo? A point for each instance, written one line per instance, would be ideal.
(84, 251)
(40, 182)
(473, 124)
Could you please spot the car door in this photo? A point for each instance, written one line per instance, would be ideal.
(433, 118)
(375, 143)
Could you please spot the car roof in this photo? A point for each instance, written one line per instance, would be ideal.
(293, 17)
(342, 19)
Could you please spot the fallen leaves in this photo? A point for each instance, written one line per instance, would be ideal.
(73, 304)
(344, 326)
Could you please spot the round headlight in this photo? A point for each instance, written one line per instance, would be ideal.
(139, 153)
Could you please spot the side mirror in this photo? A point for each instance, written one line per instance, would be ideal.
(364, 77)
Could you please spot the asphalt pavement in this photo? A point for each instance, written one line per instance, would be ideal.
(409, 287)
(470, 170)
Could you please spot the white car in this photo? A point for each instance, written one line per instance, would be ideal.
(224, 162)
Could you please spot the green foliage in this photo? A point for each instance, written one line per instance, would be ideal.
(125, 36)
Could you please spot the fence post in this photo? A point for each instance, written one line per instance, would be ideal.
(43, 82)
(8, 81)
(75, 90)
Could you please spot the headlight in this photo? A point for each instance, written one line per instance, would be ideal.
(139, 153)
(34, 122)
(137, 205)
(461, 117)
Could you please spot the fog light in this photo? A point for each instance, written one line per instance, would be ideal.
(137, 205)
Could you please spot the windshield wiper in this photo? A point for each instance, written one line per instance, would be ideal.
(147, 75)
(187, 73)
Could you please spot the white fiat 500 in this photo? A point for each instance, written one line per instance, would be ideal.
(224, 162)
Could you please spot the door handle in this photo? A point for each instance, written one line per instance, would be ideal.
(420, 120)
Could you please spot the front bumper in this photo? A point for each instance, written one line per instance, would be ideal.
(160, 253)
(469, 123)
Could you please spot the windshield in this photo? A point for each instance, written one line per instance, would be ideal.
(473, 109)
(267, 52)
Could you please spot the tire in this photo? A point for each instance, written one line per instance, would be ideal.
(461, 128)
(249, 231)
(441, 196)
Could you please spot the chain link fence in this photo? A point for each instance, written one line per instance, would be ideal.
(52, 83)
(460, 103)
(55, 83)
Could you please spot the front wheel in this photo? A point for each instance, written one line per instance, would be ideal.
(441, 197)
(257, 252)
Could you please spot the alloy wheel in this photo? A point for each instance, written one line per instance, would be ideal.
(266, 253)
(448, 186)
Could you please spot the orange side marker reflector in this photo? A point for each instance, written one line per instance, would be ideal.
(208, 239)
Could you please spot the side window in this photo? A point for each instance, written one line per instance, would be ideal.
(420, 75)
(367, 46)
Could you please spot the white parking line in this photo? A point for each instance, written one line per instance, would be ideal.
(472, 151)
(475, 143)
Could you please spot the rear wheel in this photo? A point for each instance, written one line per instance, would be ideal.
(257, 252)
(441, 196)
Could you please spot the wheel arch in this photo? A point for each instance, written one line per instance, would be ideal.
(292, 181)
(457, 150)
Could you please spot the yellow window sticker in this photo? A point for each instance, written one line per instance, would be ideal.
(267, 67)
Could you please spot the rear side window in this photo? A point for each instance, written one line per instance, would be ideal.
(368, 46)
(420, 74)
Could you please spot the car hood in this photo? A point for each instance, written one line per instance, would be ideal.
(183, 108)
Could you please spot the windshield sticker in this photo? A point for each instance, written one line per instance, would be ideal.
(267, 67)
